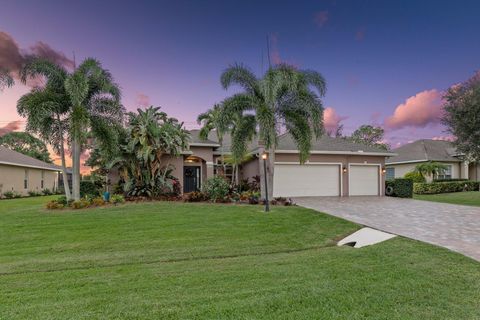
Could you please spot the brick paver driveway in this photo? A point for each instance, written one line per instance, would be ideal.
(451, 226)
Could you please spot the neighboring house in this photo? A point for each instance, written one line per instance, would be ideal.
(336, 167)
(412, 154)
(69, 177)
(20, 173)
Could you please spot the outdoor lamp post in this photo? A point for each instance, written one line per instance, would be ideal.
(267, 202)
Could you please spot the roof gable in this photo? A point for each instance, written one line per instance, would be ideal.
(425, 150)
(14, 158)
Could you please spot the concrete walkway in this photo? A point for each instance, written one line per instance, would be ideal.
(451, 226)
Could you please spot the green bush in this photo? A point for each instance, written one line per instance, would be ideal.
(445, 187)
(416, 177)
(89, 188)
(12, 194)
(54, 204)
(116, 199)
(448, 180)
(216, 189)
(80, 204)
(401, 188)
(34, 193)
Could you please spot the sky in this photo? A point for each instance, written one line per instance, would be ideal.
(386, 63)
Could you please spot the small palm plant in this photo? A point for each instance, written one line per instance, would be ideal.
(430, 169)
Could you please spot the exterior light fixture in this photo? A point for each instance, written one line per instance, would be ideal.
(384, 170)
(344, 169)
(267, 202)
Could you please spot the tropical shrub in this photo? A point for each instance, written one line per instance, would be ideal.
(98, 202)
(47, 192)
(216, 189)
(400, 187)
(116, 199)
(195, 196)
(54, 204)
(89, 188)
(12, 194)
(415, 176)
(34, 193)
(445, 187)
(80, 204)
(63, 200)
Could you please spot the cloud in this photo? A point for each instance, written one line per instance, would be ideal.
(444, 138)
(11, 126)
(321, 18)
(360, 34)
(142, 100)
(275, 53)
(12, 57)
(417, 111)
(331, 120)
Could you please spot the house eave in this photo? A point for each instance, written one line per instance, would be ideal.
(355, 153)
(199, 144)
(29, 166)
(418, 161)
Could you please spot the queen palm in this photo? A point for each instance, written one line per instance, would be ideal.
(214, 120)
(285, 98)
(6, 79)
(242, 130)
(47, 108)
(90, 104)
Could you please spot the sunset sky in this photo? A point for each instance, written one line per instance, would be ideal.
(385, 62)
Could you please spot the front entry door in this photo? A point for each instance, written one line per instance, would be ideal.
(191, 179)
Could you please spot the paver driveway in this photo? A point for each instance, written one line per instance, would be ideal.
(451, 226)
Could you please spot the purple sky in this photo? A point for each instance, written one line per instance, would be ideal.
(385, 62)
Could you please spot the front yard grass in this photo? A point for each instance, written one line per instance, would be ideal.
(471, 198)
(198, 261)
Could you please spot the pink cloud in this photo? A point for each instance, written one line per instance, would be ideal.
(417, 111)
(142, 100)
(320, 18)
(331, 120)
(11, 126)
(444, 138)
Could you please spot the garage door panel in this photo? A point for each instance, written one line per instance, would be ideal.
(364, 180)
(306, 180)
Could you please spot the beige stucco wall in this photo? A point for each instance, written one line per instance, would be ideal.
(344, 160)
(250, 169)
(11, 179)
(474, 171)
(402, 169)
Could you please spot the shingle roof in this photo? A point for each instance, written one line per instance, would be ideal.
(195, 138)
(323, 144)
(425, 150)
(14, 158)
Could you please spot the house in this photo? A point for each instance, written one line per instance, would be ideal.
(420, 151)
(336, 166)
(20, 173)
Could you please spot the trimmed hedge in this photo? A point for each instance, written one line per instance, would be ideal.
(449, 180)
(445, 187)
(401, 188)
(415, 177)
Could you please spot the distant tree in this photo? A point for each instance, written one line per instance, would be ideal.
(284, 98)
(6, 79)
(369, 135)
(27, 144)
(462, 116)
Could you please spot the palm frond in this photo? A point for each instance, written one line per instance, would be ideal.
(240, 75)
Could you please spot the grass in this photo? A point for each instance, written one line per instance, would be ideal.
(471, 198)
(197, 261)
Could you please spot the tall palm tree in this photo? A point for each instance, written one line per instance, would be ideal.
(243, 128)
(95, 101)
(47, 108)
(214, 120)
(88, 102)
(285, 98)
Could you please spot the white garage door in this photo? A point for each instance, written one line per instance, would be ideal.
(364, 180)
(294, 180)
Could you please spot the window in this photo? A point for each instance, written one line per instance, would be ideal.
(218, 170)
(25, 180)
(445, 174)
(41, 181)
(390, 173)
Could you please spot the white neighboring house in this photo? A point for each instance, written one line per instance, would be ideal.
(412, 154)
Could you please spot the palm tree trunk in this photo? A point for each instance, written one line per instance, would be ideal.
(270, 171)
(76, 169)
(66, 186)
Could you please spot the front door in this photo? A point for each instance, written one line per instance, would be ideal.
(191, 179)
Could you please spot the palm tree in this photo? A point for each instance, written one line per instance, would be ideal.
(284, 99)
(214, 120)
(6, 79)
(430, 169)
(47, 109)
(88, 103)
(242, 129)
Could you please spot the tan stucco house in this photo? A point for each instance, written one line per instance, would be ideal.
(20, 173)
(420, 151)
(336, 167)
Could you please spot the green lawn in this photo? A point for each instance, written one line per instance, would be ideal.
(196, 261)
(471, 198)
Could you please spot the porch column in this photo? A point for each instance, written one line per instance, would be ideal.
(209, 169)
(465, 170)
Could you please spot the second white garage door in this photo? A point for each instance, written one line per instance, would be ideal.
(294, 180)
(363, 180)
